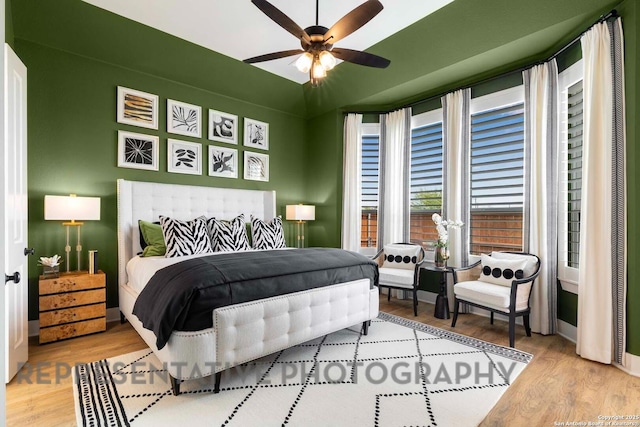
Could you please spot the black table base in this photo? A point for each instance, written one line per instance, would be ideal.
(442, 306)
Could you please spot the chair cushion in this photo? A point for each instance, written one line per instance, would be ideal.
(400, 256)
(398, 277)
(501, 271)
(491, 295)
(529, 269)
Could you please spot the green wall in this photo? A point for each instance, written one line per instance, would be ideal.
(557, 24)
(73, 144)
(77, 54)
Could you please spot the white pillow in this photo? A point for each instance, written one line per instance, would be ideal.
(532, 262)
(400, 256)
(501, 271)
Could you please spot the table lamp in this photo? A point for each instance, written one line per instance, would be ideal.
(301, 213)
(72, 209)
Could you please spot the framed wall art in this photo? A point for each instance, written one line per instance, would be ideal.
(256, 134)
(223, 127)
(256, 166)
(137, 151)
(184, 157)
(223, 162)
(184, 119)
(137, 108)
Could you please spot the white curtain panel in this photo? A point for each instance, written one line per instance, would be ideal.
(395, 146)
(457, 133)
(541, 188)
(455, 192)
(352, 182)
(602, 263)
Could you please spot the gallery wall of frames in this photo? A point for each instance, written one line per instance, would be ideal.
(217, 156)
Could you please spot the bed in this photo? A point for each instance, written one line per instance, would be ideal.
(239, 332)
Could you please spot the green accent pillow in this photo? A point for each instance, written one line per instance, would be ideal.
(152, 234)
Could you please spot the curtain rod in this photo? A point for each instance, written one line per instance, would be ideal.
(602, 18)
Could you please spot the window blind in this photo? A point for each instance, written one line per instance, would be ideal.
(572, 176)
(370, 189)
(425, 180)
(497, 179)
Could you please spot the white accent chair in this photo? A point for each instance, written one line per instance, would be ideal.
(500, 283)
(400, 268)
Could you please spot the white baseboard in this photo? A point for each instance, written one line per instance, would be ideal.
(633, 365)
(113, 314)
(568, 331)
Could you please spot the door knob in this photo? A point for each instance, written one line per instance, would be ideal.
(15, 278)
(29, 251)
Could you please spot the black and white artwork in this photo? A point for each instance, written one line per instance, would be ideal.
(137, 151)
(184, 157)
(223, 162)
(137, 108)
(256, 166)
(223, 127)
(184, 119)
(256, 134)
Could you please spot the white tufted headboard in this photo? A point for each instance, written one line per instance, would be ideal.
(148, 200)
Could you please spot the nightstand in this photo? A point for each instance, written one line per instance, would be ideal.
(72, 305)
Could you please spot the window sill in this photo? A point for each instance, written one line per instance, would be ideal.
(569, 286)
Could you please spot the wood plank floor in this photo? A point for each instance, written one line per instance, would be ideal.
(557, 386)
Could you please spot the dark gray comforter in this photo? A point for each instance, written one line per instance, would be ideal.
(182, 296)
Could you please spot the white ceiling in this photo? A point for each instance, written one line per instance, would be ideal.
(239, 29)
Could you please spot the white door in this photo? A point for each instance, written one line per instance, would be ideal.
(15, 225)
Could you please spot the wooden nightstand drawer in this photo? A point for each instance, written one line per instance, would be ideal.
(70, 330)
(68, 282)
(75, 314)
(71, 299)
(71, 305)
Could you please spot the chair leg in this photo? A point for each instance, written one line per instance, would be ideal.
(512, 330)
(527, 325)
(492, 317)
(415, 302)
(456, 306)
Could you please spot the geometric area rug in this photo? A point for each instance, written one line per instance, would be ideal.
(403, 373)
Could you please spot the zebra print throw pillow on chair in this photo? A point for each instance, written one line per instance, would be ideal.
(228, 236)
(185, 237)
(267, 235)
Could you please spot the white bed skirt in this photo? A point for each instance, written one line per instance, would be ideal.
(244, 332)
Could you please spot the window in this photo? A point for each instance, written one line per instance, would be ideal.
(370, 184)
(426, 175)
(570, 175)
(497, 172)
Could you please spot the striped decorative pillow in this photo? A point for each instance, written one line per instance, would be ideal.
(228, 235)
(185, 237)
(267, 235)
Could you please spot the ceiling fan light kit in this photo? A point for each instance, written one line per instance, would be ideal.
(318, 54)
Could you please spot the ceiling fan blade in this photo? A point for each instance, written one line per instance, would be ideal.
(352, 21)
(274, 55)
(281, 19)
(360, 58)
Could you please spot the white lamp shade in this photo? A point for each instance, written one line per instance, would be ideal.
(71, 208)
(301, 212)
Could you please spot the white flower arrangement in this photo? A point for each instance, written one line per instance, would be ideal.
(51, 262)
(442, 226)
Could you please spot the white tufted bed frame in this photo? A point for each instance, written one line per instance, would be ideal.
(241, 332)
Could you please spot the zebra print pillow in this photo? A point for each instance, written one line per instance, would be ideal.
(267, 235)
(185, 237)
(228, 236)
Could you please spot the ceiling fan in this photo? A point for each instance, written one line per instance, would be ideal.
(318, 53)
